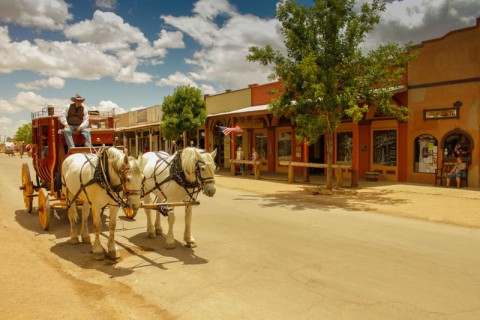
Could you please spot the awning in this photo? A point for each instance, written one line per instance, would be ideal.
(138, 126)
(252, 109)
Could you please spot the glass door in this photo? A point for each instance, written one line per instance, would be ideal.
(284, 147)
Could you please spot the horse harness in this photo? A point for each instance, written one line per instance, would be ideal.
(178, 175)
(101, 176)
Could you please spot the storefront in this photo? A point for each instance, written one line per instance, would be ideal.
(444, 96)
(441, 89)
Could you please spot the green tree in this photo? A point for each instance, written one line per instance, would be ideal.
(183, 111)
(24, 133)
(325, 75)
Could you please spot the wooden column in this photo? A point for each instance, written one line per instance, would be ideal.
(355, 155)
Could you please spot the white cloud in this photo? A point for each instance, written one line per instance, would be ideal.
(417, 21)
(54, 82)
(55, 58)
(177, 79)
(33, 102)
(107, 30)
(5, 121)
(108, 106)
(52, 14)
(211, 8)
(106, 4)
(128, 74)
(167, 39)
(7, 107)
(222, 57)
(207, 89)
(107, 47)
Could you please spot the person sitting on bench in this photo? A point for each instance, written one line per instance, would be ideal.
(456, 172)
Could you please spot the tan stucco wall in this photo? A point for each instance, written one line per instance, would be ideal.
(228, 101)
(454, 57)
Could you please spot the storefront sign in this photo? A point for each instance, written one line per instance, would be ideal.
(142, 116)
(447, 113)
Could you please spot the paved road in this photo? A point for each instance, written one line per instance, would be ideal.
(258, 257)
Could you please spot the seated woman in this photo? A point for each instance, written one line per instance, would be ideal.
(456, 172)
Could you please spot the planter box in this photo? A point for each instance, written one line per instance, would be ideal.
(372, 175)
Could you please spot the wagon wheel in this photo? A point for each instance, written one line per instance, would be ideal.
(27, 188)
(129, 213)
(44, 208)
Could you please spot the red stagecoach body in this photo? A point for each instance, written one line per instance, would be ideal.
(49, 148)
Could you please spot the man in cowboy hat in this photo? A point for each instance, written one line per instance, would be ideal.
(75, 119)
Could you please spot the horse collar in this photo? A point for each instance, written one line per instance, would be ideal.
(177, 173)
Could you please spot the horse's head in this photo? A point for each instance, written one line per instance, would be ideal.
(133, 183)
(200, 166)
(132, 179)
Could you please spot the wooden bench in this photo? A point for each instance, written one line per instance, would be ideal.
(442, 173)
(255, 163)
(338, 169)
(98, 137)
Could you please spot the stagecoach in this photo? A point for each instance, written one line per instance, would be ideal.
(49, 150)
(172, 181)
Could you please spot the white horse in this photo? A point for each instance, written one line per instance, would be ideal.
(99, 181)
(177, 178)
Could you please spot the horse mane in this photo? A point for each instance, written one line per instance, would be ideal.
(188, 159)
(116, 158)
(134, 166)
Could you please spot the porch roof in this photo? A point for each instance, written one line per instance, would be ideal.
(138, 126)
(251, 109)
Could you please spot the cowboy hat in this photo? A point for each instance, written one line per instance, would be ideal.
(77, 98)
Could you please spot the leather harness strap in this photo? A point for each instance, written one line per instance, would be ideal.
(101, 176)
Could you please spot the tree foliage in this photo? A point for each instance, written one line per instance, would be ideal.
(325, 75)
(24, 133)
(184, 110)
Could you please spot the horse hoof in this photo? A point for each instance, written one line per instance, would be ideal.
(99, 256)
(158, 232)
(191, 244)
(74, 240)
(86, 240)
(170, 246)
(151, 235)
(114, 255)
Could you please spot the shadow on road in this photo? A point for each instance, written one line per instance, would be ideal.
(346, 199)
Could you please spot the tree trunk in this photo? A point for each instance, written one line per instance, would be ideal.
(329, 135)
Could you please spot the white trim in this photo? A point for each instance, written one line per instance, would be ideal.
(262, 107)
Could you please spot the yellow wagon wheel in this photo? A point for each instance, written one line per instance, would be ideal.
(27, 188)
(44, 208)
(129, 213)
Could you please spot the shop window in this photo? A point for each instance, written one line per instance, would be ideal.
(284, 146)
(426, 154)
(385, 147)
(261, 145)
(344, 147)
(457, 144)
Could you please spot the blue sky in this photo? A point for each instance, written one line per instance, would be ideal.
(130, 54)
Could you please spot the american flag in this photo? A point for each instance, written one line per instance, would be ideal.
(226, 131)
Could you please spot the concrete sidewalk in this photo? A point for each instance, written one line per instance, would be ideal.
(439, 204)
